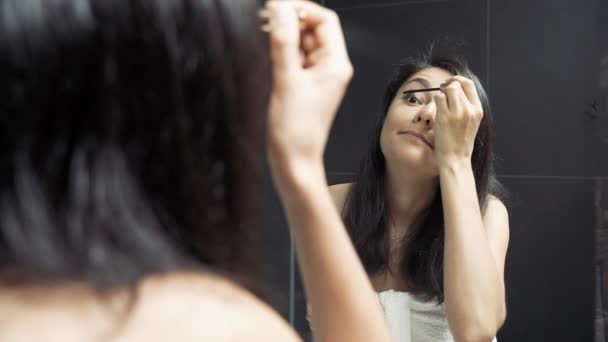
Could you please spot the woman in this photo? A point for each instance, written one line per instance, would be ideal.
(424, 211)
(130, 133)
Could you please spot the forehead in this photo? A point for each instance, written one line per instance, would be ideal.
(434, 76)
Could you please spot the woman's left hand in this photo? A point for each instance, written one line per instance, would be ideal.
(459, 113)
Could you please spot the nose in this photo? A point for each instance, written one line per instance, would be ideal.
(426, 115)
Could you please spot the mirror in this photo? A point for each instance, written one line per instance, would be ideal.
(544, 66)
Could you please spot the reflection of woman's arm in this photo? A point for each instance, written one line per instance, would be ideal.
(305, 98)
(473, 258)
(475, 246)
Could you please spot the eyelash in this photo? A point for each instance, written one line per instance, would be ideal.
(411, 96)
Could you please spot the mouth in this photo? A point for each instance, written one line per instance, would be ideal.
(419, 136)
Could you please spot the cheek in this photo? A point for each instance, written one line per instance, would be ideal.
(390, 120)
(392, 123)
(400, 115)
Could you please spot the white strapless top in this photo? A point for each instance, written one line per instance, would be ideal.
(412, 320)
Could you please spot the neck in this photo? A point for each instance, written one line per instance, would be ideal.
(408, 194)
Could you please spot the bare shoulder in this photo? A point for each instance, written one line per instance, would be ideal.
(173, 307)
(338, 193)
(191, 307)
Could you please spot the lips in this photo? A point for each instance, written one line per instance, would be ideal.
(420, 136)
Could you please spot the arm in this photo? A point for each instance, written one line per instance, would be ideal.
(343, 302)
(475, 246)
(311, 70)
(338, 194)
(474, 257)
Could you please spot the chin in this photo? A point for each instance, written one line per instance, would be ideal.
(415, 159)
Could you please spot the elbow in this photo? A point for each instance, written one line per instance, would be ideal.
(476, 335)
(484, 331)
(475, 338)
(502, 316)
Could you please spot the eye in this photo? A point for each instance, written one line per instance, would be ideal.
(411, 99)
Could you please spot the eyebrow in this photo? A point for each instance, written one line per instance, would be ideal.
(422, 81)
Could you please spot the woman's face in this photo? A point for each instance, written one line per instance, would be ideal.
(407, 136)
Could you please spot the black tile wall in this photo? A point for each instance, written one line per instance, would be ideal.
(549, 268)
(342, 4)
(276, 248)
(544, 70)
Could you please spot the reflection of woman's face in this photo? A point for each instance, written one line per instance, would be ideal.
(407, 135)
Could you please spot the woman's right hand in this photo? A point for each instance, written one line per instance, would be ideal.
(311, 71)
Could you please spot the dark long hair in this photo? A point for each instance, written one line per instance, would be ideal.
(366, 214)
(125, 130)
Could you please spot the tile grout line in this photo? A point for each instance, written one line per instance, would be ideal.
(513, 176)
(388, 4)
(292, 282)
(488, 48)
(551, 177)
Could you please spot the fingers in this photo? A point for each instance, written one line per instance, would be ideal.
(468, 86)
(304, 35)
(284, 37)
(309, 42)
(454, 96)
(461, 99)
(312, 14)
(323, 25)
(442, 103)
(309, 49)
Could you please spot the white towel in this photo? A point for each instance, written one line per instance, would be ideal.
(397, 313)
(412, 320)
